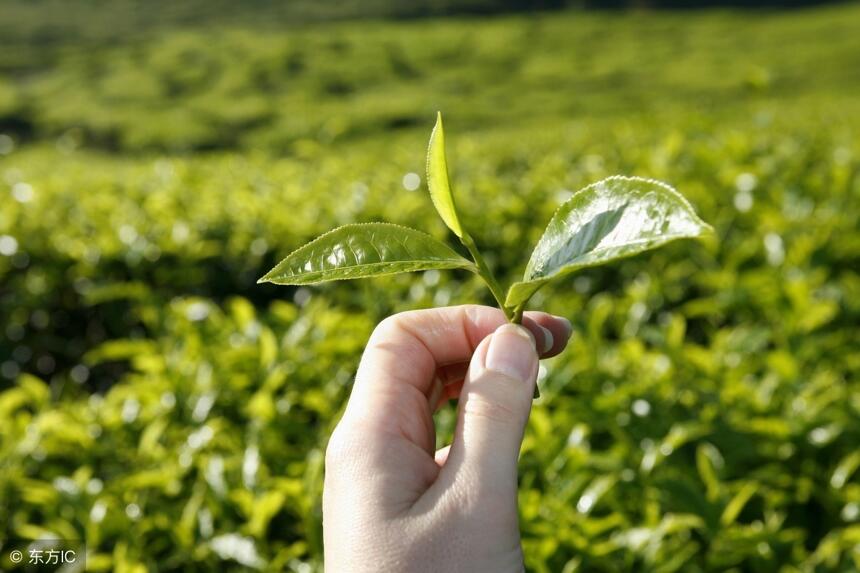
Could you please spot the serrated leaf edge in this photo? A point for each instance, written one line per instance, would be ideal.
(456, 217)
(267, 278)
(657, 182)
(672, 191)
(706, 228)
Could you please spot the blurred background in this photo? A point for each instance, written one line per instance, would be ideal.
(157, 157)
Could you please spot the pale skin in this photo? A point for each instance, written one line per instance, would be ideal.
(392, 502)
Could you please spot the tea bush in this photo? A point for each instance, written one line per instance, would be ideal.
(158, 403)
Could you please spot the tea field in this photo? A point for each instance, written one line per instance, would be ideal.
(160, 405)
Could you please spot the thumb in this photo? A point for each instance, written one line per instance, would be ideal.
(494, 407)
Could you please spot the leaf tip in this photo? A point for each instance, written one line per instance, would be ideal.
(266, 278)
(437, 178)
(269, 277)
(438, 130)
(707, 234)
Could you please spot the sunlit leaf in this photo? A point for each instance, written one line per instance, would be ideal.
(364, 250)
(736, 505)
(845, 469)
(608, 220)
(437, 179)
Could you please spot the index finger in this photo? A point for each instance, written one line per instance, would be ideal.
(406, 349)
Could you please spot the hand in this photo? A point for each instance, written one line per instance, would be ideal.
(391, 503)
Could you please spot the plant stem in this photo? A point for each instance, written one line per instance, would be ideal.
(518, 314)
(487, 275)
(514, 315)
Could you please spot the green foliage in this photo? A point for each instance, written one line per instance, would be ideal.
(273, 84)
(608, 220)
(364, 250)
(160, 403)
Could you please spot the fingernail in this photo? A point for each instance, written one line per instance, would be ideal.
(512, 352)
(568, 328)
(548, 340)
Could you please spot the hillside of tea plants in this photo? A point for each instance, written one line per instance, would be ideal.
(159, 404)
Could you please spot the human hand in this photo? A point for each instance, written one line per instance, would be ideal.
(391, 503)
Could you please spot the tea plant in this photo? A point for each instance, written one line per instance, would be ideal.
(608, 220)
(705, 418)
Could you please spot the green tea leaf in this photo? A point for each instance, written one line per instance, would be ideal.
(614, 218)
(364, 250)
(437, 179)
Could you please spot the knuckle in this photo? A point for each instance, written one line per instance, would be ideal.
(387, 324)
(477, 313)
(391, 326)
(494, 408)
(482, 316)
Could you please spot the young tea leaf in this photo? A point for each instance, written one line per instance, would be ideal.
(437, 179)
(364, 250)
(614, 218)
